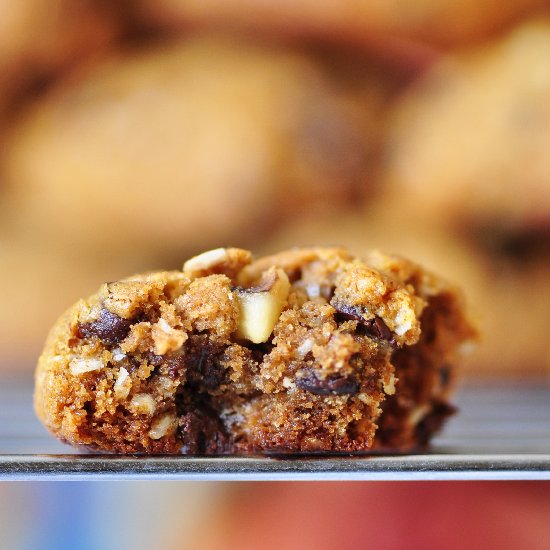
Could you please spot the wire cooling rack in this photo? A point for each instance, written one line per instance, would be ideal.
(501, 432)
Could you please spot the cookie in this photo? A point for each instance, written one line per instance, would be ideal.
(309, 350)
(469, 142)
(113, 158)
(468, 146)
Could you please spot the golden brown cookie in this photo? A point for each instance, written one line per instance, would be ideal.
(309, 350)
(469, 142)
(467, 152)
(204, 141)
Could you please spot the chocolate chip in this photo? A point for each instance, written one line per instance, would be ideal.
(331, 385)
(203, 364)
(381, 329)
(347, 312)
(176, 365)
(109, 328)
(200, 361)
(202, 432)
(372, 327)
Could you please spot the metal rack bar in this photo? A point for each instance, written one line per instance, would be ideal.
(387, 468)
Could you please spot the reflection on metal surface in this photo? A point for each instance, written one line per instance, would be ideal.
(502, 432)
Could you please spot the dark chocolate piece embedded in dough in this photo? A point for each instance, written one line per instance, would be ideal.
(109, 328)
(335, 385)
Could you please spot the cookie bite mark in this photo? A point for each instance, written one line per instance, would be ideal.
(310, 350)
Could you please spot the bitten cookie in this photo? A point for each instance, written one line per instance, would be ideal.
(309, 350)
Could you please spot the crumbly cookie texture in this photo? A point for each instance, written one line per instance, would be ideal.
(309, 350)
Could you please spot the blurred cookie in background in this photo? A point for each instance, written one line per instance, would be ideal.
(38, 38)
(369, 22)
(470, 142)
(511, 307)
(468, 146)
(187, 146)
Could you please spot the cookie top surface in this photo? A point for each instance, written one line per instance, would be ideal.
(209, 285)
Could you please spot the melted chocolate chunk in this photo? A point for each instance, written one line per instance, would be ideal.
(109, 328)
(203, 364)
(372, 327)
(381, 329)
(202, 431)
(331, 385)
(349, 313)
